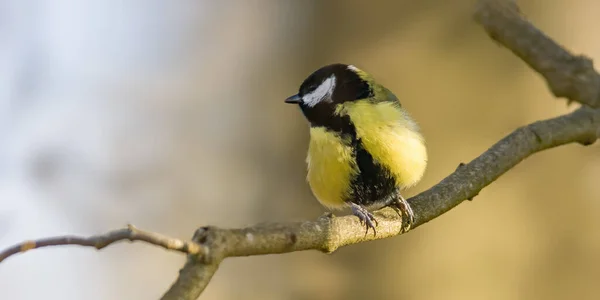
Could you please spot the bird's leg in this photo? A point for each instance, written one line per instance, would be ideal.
(365, 217)
(401, 206)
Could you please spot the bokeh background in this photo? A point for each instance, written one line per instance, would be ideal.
(170, 115)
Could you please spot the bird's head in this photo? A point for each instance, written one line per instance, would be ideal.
(321, 92)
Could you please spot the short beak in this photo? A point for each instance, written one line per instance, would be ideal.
(293, 99)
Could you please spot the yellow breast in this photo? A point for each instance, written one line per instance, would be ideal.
(390, 135)
(386, 132)
(331, 166)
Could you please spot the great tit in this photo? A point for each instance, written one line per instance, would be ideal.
(364, 146)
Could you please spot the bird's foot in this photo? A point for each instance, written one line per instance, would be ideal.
(403, 209)
(365, 217)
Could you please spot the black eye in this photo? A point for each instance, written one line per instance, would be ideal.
(308, 89)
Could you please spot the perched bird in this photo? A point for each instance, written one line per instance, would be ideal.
(364, 147)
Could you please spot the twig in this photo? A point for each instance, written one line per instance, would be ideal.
(566, 75)
(130, 233)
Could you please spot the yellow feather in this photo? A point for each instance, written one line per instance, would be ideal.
(331, 166)
(390, 135)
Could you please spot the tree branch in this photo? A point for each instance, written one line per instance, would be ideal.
(130, 233)
(566, 75)
(210, 245)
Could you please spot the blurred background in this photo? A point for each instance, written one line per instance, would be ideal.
(170, 115)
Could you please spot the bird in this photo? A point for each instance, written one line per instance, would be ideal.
(364, 147)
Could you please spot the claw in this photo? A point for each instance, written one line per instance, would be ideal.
(402, 207)
(372, 217)
(366, 218)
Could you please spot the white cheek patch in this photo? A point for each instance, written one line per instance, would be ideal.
(323, 92)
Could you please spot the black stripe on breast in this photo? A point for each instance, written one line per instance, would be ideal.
(374, 184)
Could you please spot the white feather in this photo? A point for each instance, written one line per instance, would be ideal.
(353, 68)
(323, 92)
